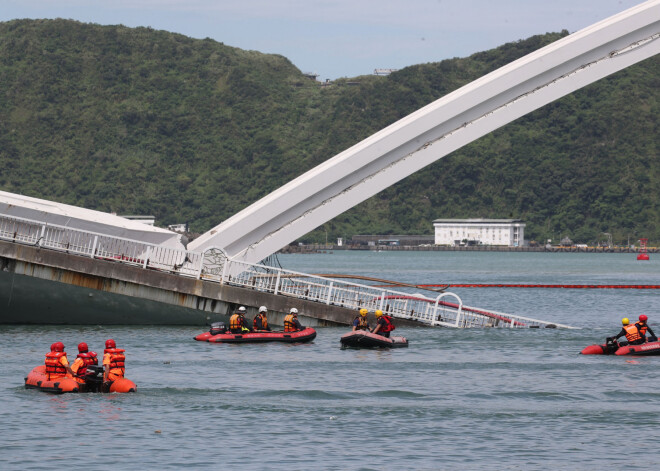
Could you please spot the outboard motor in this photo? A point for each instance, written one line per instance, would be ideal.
(94, 378)
(218, 328)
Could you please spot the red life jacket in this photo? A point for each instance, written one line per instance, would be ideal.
(88, 358)
(54, 368)
(388, 327)
(117, 360)
(632, 333)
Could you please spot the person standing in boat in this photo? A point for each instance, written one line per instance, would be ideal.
(360, 322)
(84, 359)
(643, 327)
(114, 362)
(238, 323)
(291, 322)
(57, 365)
(383, 324)
(261, 320)
(630, 331)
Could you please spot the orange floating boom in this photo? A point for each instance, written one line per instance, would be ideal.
(502, 285)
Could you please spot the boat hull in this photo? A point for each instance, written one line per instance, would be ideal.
(362, 339)
(645, 349)
(38, 379)
(306, 335)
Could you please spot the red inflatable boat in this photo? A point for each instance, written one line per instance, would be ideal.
(38, 379)
(364, 339)
(219, 334)
(615, 348)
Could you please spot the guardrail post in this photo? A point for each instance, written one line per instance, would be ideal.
(277, 282)
(201, 266)
(382, 300)
(41, 237)
(96, 241)
(224, 271)
(146, 258)
(327, 301)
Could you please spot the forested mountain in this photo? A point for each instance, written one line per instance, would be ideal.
(139, 121)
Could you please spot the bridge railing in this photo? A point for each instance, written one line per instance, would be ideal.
(446, 309)
(215, 266)
(100, 246)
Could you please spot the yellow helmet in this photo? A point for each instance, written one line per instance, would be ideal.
(379, 313)
(363, 312)
(625, 321)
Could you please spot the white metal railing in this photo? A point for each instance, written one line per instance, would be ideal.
(213, 265)
(432, 311)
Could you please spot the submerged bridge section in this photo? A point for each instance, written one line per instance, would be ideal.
(436, 130)
(51, 274)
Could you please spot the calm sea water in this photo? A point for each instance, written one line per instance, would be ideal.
(455, 399)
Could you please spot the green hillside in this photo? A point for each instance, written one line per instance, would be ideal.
(139, 121)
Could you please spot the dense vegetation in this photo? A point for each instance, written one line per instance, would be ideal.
(139, 121)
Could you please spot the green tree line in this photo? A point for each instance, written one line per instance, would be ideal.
(140, 121)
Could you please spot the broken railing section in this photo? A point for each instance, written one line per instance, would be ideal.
(213, 265)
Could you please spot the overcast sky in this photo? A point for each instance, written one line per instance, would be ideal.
(340, 38)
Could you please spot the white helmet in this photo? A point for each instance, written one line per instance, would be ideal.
(263, 309)
(241, 309)
(294, 310)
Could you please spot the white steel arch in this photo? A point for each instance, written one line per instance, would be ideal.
(434, 131)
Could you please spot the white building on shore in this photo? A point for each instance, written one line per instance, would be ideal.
(454, 232)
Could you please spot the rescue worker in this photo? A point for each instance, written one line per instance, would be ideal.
(84, 359)
(644, 327)
(237, 322)
(383, 324)
(630, 331)
(113, 362)
(260, 321)
(291, 322)
(360, 322)
(57, 364)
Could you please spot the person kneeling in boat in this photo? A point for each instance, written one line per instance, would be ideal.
(643, 327)
(383, 324)
(238, 323)
(57, 365)
(84, 359)
(631, 332)
(291, 322)
(114, 362)
(260, 322)
(360, 322)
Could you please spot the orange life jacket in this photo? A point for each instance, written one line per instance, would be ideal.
(388, 327)
(236, 322)
(632, 333)
(88, 358)
(54, 368)
(642, 328)
(363, 323)
(289, 324)
(264, 322)
(117, 360)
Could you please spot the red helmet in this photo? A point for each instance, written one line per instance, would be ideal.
(643, 318)
(82, 347)
(57, 347)
(110, 344)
